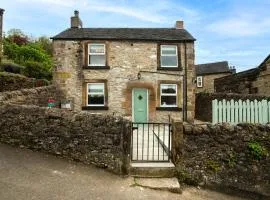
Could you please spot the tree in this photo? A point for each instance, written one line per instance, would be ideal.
(45, 43)
(17, 36)
(35, 55)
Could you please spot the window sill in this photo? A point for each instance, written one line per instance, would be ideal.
(170, 68)
(95, 108)
(168, 108)
(96, 67)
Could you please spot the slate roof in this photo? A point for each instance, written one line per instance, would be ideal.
(142, 34)
(212, 68)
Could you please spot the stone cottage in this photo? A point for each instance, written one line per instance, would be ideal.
(208, 72)
(252, 81)
(146, 74)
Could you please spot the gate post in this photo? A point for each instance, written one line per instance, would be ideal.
(177, 139)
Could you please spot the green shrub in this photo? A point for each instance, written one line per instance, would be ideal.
(212, 165)
(256, 150)
(36, 70)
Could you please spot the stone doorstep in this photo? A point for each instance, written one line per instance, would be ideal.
(153, 170)
(166, 184)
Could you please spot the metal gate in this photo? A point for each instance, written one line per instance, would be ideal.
(151, 142)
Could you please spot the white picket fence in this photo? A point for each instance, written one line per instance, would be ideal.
(240, 111)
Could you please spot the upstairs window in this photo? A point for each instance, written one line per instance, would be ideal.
(168, 56)
(95, 94)
(168, 95)
(199, 81)
(96, 55)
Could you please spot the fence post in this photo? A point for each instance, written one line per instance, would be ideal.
(177, 140)
(214, 111)
(228, 112)
(252, 118)
(248, 111)
(256, 113)
(244, 111)
(224, 118)
(232, 111)
(236, 112)
(240, 119)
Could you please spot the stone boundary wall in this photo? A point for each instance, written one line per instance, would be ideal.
(35, 96)
(11, 82)
(203, 102)
(89, 138)
(226, 157)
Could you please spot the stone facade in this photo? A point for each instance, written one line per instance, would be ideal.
(208, 82)
(126, 59)
(262, 83)
(226, 157)
(95, 139)
(252, 81)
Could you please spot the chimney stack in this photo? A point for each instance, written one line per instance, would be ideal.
(75, 20)
(179, 24)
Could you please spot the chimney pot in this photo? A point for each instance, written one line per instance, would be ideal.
(179, 24)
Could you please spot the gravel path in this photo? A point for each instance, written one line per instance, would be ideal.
(27, 175)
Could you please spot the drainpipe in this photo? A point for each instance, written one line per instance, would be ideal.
(185, 87)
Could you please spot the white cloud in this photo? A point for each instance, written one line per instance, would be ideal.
(143, 10)
(237, 27)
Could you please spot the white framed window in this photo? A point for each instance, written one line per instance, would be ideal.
(199, 81)
(96, 55)
(95, 94)
(168, 56)
(168, 95)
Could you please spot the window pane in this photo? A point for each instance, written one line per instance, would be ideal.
(97, 48)
(169, 61)
(171, 50)
(96, 88)
(98, 60)
(96, 99)
(168, 89)
(168, 101)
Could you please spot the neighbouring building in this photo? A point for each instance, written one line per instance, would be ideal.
(252, 81)
(1, 31)
(207, 73)
(146, 74)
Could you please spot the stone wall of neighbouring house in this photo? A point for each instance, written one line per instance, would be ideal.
(208, 82)
(92, 139)
(227, 157)
(253, 81)
(262, 83)
(125, 59)
(203, 110)
(11, 82)
(240, 83)
(36, 96)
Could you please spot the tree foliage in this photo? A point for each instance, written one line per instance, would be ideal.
(34, 55)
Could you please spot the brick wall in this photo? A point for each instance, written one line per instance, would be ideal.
(125, 59)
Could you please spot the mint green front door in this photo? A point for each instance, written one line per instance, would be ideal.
(140, 105)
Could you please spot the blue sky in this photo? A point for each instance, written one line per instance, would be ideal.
(234, 30)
